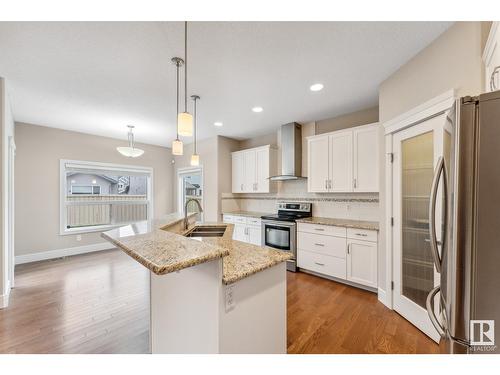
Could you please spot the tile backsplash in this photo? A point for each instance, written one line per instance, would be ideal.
(356, 206)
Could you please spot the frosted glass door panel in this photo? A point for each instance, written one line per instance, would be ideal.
(417, 156)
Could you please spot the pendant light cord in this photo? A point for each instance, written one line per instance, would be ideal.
(185, 66)
(195, 124)
(177, 101)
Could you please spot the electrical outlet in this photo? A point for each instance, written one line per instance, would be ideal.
(230, 302)
(78, 237)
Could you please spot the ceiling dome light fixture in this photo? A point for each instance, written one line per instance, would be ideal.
(218, 123)
(177, 146)
(130, 151)
(185, 119)
(257, 109)
(195, 158)
(316, 87)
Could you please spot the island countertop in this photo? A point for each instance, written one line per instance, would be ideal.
(162, 248)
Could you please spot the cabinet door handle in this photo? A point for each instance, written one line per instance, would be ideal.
(354, 182)
(319, 244)
(241, 187)
(319, 229)
(361, 234)
(326, 184)
(330, 184)
(319, 264)
(348, 248)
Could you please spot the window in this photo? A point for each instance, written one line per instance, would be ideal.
(190, 182)
(99, 196)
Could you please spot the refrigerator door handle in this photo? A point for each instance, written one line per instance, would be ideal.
(429, 303)
(440, 171)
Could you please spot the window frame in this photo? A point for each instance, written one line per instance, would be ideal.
(92, 166)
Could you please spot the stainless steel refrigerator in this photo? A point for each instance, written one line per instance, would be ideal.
(469, 257)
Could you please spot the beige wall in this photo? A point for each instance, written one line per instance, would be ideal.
(207, 149)
(215, 158)
(452, 61)
(39, 150)
(363, 117)
(263, 140)
(224, 167)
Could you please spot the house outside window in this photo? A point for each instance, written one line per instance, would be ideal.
(99, 196)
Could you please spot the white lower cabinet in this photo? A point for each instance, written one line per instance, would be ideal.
(362, 262)
(325, 264)
(246, 229)
(240, 232)
(339, 253)
(254, 235)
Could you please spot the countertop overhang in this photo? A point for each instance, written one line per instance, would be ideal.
(161, 247)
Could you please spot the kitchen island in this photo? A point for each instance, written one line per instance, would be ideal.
(208, 294)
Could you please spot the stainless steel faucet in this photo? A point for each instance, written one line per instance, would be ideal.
(186, 223)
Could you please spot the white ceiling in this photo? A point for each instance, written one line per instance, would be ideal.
(97, 77)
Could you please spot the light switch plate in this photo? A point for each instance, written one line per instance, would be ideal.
(229, 298)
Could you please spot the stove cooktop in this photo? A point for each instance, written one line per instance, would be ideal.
(290, 211)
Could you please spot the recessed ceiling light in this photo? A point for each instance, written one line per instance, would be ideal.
(316, 87)
(257, 109)
(218, 123)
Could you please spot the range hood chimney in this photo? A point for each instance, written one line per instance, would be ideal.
(291, 153)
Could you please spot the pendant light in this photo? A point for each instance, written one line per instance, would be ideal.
(195, 158)
(131, 151)
(177, 146)
(185, 119)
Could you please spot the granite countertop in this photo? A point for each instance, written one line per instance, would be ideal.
(347, 223)
(162, 248)
(253, 214)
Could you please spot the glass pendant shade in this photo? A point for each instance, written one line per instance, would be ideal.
(195, 160)
(130, 152)
(177, 147)
(185, 124)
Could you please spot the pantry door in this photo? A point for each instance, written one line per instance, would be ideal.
(417, 151)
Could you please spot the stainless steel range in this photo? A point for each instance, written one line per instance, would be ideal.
(280, 230)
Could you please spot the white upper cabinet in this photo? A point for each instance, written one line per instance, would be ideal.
(262, 162)
(344, 161)
(365, 159)
(238, 165)
(249, 171)
(318, 166)
(252, 168)
(340, 161)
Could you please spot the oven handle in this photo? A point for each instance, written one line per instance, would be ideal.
(279, 223)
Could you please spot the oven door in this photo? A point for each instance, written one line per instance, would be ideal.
(279, 234)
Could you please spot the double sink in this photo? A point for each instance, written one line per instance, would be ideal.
(201, 231)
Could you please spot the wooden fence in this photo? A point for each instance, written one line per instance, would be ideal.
(91, 210)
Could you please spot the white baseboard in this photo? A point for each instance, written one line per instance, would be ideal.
(4, 298)
(382, 297)
(53, 254)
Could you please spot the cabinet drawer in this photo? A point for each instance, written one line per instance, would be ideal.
(327, 265)
(322, 229)
(318, 243)
(240, 219)
(253, 221)
(228, 218)
(362, 234)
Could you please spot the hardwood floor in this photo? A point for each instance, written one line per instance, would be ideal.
(92, 303)
(99, 303)
(329, 317)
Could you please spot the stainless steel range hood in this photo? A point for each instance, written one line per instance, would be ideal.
(291, 153)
